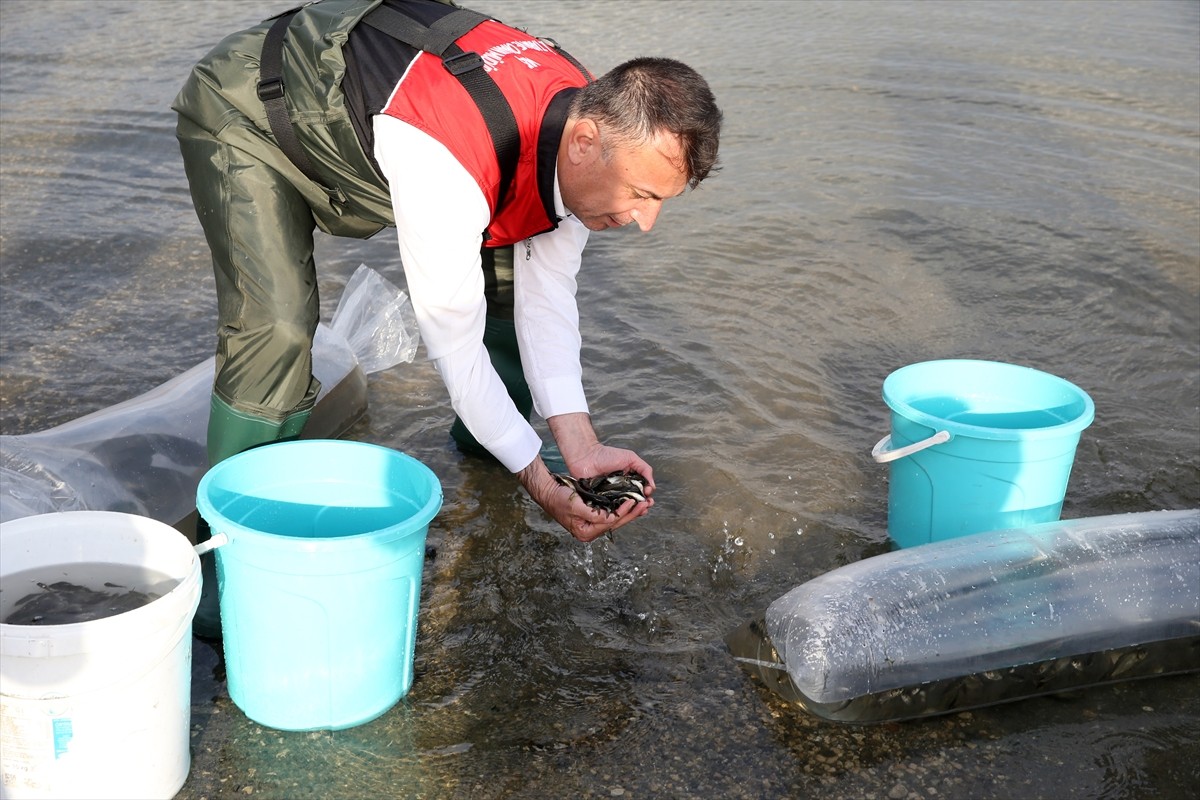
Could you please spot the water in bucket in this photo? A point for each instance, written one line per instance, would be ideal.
(63, 595)
(977, 446)
(319, 577)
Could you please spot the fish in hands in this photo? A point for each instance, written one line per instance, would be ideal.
(606, 492)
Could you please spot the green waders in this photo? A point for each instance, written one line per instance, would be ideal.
(259, 211)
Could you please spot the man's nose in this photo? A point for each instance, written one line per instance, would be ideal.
(646, 214)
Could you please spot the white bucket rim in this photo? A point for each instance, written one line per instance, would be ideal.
(29, 640)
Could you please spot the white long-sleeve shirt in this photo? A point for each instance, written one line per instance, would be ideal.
(440, 216)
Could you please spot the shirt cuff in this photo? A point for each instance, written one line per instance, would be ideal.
(554, 396)
(517, 448)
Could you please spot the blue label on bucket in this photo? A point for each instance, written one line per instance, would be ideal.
(62, 736)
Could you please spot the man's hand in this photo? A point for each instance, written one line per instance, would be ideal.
(585, 458)
(568, 509)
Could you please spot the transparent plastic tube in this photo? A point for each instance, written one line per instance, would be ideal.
(987, 618)
(147, 454)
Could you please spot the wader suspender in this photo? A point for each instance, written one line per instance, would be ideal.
(270, 91)
(437, 39)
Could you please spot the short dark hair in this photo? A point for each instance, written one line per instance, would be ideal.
(646, 96)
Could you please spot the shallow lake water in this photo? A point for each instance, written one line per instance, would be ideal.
(901, 182)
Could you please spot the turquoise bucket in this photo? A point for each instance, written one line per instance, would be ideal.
(977, 446)
(319, 551)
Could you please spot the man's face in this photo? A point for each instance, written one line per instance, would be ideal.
(627, 184)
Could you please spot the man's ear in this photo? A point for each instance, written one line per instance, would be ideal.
(583, 140)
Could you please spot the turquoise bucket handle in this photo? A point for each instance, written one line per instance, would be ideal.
(882, 453)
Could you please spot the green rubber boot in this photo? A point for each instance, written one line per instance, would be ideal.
(229, 433)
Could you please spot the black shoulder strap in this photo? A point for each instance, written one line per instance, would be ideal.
(439, 40)
(270, 91)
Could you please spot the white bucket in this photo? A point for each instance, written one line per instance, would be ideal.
(97, 709)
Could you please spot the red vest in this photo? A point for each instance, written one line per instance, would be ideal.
(530, 74)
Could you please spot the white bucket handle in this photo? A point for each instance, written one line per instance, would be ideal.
(216, 541)
(882, 454)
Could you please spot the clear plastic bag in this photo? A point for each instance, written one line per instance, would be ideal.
(987, 618)
(377, 321)
(146, 455)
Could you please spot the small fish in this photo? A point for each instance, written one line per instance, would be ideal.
(606, 492)
(63, 603)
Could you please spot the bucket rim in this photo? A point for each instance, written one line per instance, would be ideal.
(412, 524)
(934, 422)
(69, 634)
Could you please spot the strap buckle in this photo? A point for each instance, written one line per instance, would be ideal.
(270, 89)
(463, 62)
